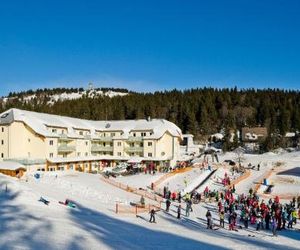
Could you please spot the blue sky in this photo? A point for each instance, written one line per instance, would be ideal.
(149, 45)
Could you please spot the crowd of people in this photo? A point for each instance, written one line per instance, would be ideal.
(263, 215)
(239, 211)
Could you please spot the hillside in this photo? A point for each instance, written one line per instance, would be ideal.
(197, 111)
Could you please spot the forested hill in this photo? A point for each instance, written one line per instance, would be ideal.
(197, 111)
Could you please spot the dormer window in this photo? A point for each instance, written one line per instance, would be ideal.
(134, 134)
(80, 133)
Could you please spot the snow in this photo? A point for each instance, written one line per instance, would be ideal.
(139, 180)
(93, 224)
(71, 96)
(196, 182)
(10, 165)
(40, 123)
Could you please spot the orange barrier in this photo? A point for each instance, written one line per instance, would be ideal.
(128, 209)
(168, 175)
(241, 178)
(127, 188)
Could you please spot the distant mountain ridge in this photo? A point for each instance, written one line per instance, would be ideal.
(200, 111)
(50, 96)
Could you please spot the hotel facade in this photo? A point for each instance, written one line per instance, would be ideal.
(50, 142)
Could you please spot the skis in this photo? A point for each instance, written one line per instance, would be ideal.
(44, 201)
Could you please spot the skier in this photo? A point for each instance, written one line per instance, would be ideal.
(258, 167)
(267, 220)
(187, 209)
(152, 216)
(222, 217)
(274, 226)
(168, 204)
(209, 220)
(179, 197)
(142, 201)
(178, 211)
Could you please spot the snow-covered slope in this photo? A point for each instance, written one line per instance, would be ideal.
(26, 223)
(52, 98)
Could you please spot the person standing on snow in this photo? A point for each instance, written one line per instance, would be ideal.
(222, 217)
(152, 216)
(274, 226)
(187, 209)
(209, 220)
(168, 204)
(178, 211)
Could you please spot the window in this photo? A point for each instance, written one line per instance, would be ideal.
(144, 134)
(149, 144)
(141, 144)
(51, 155)
(163, 153)
(86, 143)
(78, 154)
(111, 144)
(119, 144)
(131, 144)
(2, 142)
(2, 155)
(113, 134)
(28, 139)
(80, 133)
(119, 153)
(86, 154)
(2, 129)
(51, 142)
(149, 154)
(134, 134)
(54, 130)
(104, 144)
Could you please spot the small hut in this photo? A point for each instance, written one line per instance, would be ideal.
(11, 168)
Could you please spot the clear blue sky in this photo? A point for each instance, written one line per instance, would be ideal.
(148, 45)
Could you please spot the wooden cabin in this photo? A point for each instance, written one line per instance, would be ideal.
(13, 169)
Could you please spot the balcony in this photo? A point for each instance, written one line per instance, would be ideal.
(64, 137)
(87, 137)
(98, 148)
(134, 149)
(135, 138)
(64, 148)
(105, 138)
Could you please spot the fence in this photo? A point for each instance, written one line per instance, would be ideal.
(137, 191)
(241, 178)
(166, 176)
(136, 209)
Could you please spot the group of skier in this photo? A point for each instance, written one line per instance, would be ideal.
(263, 215)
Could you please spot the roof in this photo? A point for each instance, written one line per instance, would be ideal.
(261, 132)
(40, 122)
(11, 165)
(105, 158)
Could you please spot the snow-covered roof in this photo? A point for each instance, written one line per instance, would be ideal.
(290, 134)
(40, 122)
(11, 165)
(218, 136)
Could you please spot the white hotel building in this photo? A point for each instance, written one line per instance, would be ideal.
(51, 142)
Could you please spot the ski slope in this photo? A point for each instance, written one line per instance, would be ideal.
(27, 223)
